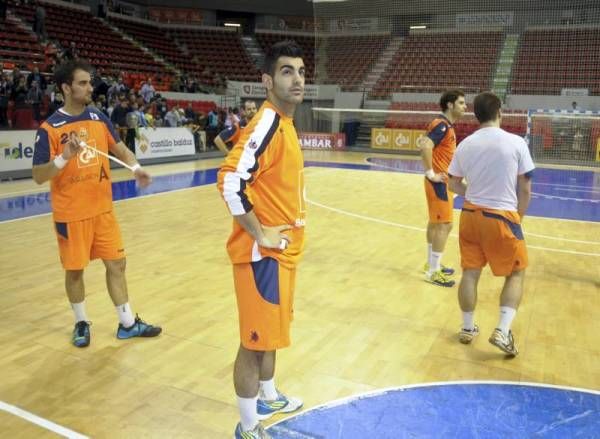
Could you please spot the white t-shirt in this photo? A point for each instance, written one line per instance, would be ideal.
(491, 159)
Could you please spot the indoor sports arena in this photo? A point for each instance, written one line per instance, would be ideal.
(310, 219)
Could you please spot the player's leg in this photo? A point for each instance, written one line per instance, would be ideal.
(439, 203)
(507, 254)
(472, 261)
(74, 242)
(108, 246)
(271, 400)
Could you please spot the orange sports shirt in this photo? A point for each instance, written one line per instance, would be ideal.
(441, 133)
(82, 189)
(264, 173)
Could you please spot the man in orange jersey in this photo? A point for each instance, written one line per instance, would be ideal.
(437, 148)
(230, 136)
(81, 192)
(262, 183)
(498, 168)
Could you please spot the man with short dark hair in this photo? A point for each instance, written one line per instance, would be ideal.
(80, 186)
(437, 148)
(262, 183)
(498, 168)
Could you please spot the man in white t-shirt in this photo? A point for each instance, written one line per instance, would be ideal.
(498, 168)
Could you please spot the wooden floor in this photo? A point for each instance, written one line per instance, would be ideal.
(365, 319)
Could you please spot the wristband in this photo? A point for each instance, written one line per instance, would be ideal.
(136, 167)
(60, 162)
(430, 174)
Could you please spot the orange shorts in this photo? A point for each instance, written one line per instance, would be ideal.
(494, 237)
(265, 297)
(92, 238)
(440, 201)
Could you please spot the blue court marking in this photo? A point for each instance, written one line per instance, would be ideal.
(566, 194)
(452, 410)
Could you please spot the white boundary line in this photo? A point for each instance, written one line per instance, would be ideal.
(379, 392)
(44, 423)
(420, 229)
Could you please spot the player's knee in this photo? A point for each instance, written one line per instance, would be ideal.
(74, 275)
(116, 267)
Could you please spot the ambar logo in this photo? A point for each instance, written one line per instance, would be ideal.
(16, 153)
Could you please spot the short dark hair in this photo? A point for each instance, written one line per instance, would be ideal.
(282, 48)
(64, 72)
(450, 97)
(486, 106)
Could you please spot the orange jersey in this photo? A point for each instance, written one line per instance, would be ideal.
(264, 173)
(82, 189)
(441, 133)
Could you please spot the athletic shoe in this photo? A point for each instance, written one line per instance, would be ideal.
(257, 432)
(282, 404)
(138, 329)
(81, 334)
(466, 336)
(446, 270)
(506, 343)
(439, 278)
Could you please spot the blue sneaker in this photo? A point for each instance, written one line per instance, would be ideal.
(138, 329)
(282, 404)
(446, 270)
(81, 334)
(257, 432)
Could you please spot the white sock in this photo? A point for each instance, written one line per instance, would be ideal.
(468, 320)
(125, 315)
(507, 314)
(269, 392)
(429, 250)
(435, 261)
(79, 310)
(248, 413)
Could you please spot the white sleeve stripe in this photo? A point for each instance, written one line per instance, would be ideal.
(235, 182)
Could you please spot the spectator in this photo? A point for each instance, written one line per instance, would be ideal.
(575, 106)
(35, 75)
(212, 126)
(56, 103)
(190, 114)
(19, 92)
(110, 108)
(119, 117)
(133, 123)
(39, 24)
(3, 6)
(116, 89)
(5, 91)
(147, 91)
(34, 98)
(173, 118)
(162, 109)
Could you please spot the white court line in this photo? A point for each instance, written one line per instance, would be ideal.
(420, 229)
(379, 392)
(558, 197)
(44, 423)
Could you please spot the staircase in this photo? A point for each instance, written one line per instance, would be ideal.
(384, 60)
(141, 46)
(253, 50)
(505, 65)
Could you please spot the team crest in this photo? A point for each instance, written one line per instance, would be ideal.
(252, 144)
(87, 156)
